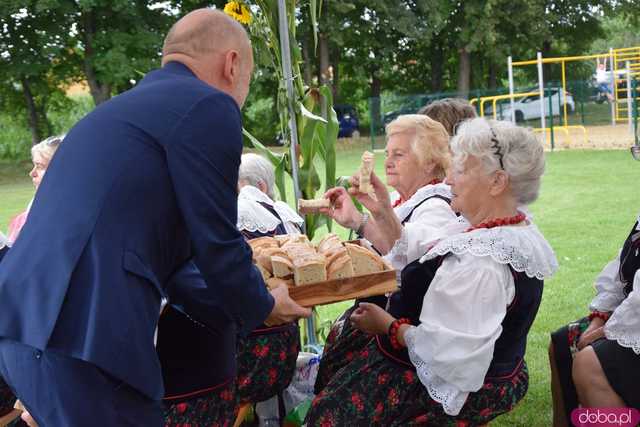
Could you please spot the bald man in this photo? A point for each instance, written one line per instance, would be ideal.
(143, 184)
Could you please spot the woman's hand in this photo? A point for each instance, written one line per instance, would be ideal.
(371, 319)
(376, 207)
(594, 331)
(343, 211)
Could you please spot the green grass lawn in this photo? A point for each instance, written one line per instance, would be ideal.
(587, 205)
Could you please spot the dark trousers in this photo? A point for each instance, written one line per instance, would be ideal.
(60, 391)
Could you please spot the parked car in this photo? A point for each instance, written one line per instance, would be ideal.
(528, 108)
(348, 120)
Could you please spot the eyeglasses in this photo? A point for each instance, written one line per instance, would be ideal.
(496, 147)
(635, 152)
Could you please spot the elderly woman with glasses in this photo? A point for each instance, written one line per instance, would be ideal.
(208, 373)
(595, 361)
(41, 155)
(450, 348)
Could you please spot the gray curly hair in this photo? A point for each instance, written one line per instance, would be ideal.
(503, 145)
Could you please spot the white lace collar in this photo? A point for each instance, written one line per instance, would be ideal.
(3, 240)
(418, 197)
(252, 216)
(524, 248)
(638, 222)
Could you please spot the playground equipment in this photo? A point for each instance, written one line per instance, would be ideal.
(624, 71)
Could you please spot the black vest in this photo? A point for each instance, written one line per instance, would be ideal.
(510, 347)
(630, 259)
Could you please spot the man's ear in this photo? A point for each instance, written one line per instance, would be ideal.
(231, 66)
(499, 183)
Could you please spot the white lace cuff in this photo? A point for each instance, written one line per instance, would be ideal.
(624, 324)
(448, 395)
(397, 256)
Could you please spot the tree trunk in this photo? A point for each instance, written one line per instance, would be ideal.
(99, 91)
(546, 53)
(307, 58)
(464, 72)
(492, 82)
(324, 76)
(32, 111)
(437, 68)
(376, 89)
(335, 61)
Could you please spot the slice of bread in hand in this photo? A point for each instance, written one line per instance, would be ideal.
(313, 205)
(366, 168)
(364, 261)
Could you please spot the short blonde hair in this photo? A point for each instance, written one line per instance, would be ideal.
(430, 142)
(503, 145)
(47, 148)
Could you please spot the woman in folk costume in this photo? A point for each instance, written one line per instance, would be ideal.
(417, 159)
(595, 361)
(450, 349)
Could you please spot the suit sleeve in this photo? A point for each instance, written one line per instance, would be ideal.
(203, 156)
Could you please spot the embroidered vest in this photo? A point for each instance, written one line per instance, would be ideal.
(630, 259)
(510, 347)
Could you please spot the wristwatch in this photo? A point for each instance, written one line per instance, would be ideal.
(363, 223)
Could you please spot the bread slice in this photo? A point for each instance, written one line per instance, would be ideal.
(264, 272)
(309, 269)
(340, 267)
(366, 168)
(281, 266)
(264, 257)
(329, 243)
(364, 261)
(313, 205)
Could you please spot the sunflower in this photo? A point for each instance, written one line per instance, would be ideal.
(238, 11)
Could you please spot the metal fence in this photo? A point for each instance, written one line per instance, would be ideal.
(584, 106)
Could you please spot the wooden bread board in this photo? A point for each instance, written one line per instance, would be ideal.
(337, 290)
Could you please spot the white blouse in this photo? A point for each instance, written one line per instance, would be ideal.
(426, 224)
(624, 324)
(252, 216)
(465, 304)
(3, 240)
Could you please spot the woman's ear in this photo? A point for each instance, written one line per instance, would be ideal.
(499, 183)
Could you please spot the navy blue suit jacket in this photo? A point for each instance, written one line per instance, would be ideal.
(140, 185)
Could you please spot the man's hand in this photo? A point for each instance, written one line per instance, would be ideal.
(371, 319)
(285, 309)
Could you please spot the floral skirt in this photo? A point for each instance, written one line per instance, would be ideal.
(343, 343)
(374, 391)
(217, 408)
(565, 343)
(7, 399)
(266, 362)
